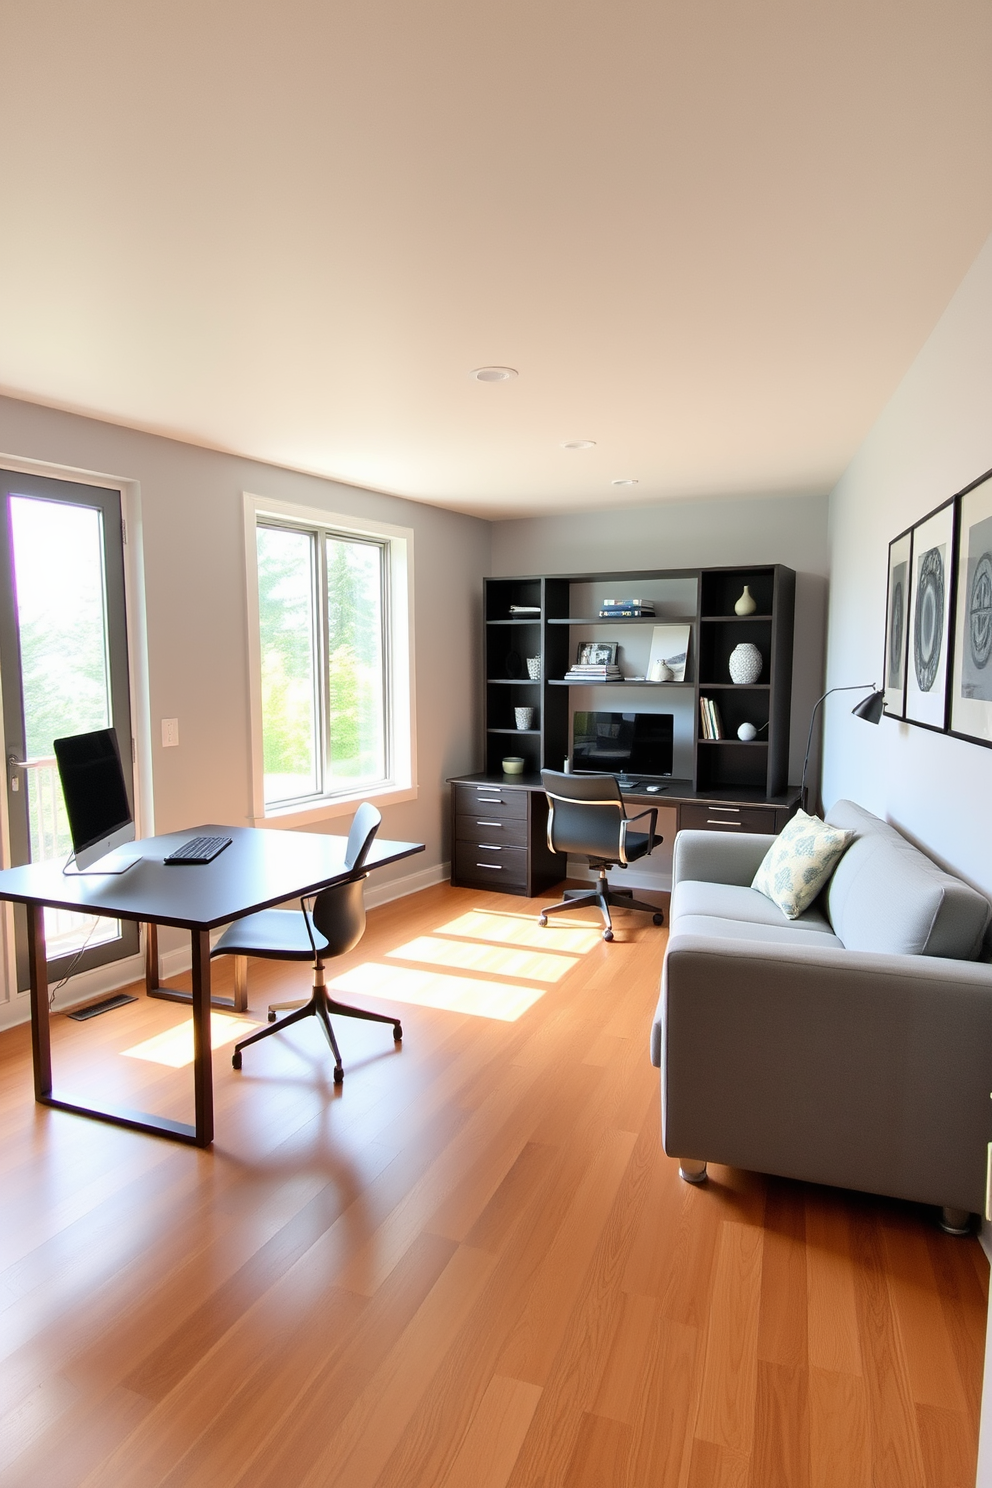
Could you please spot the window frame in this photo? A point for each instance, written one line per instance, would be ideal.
(398, 711)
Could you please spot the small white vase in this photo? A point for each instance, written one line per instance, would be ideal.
(745, 664)
(524, 717)
(746, 604)
(534, 668)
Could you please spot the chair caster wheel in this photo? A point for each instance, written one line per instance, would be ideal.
(659, 919)
(607, 934)
(398, 1033)
(236, 1059)
(272, 1017)
(542, 919)
(338, 1075)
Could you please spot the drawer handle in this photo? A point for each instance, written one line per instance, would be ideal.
(492, 801)
(734, 810)
(490, 847)
(715, 821)
(489, 824)
(498, 866)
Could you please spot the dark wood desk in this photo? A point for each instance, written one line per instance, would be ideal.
(499, 825)
(260, 868)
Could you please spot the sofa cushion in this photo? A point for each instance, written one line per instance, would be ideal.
(885, 895)
(799, 862)
(790, 933)
(732, 902)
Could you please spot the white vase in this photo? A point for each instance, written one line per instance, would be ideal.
(534, 668)
(524, 717)
(746, 604)
(745, 663)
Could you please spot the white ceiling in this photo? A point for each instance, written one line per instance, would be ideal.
(711, 236)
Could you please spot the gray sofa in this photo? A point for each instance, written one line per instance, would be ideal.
(852, 1046)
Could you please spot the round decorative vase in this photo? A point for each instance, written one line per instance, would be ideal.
(513, 764)
(746, 604)
(660, 672)
(745, 663)
(747, 732)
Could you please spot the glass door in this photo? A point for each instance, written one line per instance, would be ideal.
(63, 665)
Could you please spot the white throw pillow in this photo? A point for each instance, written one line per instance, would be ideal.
(799, 862)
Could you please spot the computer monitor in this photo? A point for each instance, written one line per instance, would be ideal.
(623, 743)
(96, 800)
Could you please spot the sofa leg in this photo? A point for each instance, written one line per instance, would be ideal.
(955, 1221)
(691, 1170)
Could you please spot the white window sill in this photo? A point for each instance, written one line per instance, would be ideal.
(316, 811)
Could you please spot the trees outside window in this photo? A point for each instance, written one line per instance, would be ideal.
(324, 660)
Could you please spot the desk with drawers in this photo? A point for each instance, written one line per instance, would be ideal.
(499, 826)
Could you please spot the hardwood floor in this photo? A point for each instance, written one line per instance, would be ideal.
(471, 1267)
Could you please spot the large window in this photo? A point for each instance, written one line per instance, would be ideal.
(330, 659)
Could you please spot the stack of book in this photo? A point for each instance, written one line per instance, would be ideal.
(593, 672)
(627, 609)
(709, 717)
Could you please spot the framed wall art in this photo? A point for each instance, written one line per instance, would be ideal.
(897, 625)
(931, 575)
(971, 681)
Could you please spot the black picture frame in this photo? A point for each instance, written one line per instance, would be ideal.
(897, 606)
(931, 601)
(970, 700)
(596, 653)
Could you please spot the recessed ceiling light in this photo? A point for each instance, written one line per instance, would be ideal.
(494, 374)
(627, 482)
(579, 444)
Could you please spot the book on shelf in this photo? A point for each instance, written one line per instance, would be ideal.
(525, 609)
(709, 718)
(638, 612)
(589, 673)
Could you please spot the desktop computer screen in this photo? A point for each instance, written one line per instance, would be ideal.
(95, 794)
(623, 743)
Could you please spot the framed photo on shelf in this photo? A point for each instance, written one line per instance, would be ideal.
(897, 625)
(928, 637)
(596, 653)
(971, 684)
(669, 647)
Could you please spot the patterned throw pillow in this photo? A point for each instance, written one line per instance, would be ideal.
(799, 862)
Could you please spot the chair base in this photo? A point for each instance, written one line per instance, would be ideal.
(955, 1221)
(318, 1006)
(691, 1170)
(603, 896)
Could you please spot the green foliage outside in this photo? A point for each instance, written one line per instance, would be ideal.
(286, 623)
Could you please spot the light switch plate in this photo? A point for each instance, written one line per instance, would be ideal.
(170, 733)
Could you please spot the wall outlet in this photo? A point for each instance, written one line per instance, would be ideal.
(170, 733)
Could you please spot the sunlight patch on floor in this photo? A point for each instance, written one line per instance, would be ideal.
(523, 930)
(174, 1047)
(495, 960)
(452, 994)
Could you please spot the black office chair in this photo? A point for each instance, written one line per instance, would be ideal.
(587, 817)
(333, 925)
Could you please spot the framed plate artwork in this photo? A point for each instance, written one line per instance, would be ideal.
(931, 574)
(897, 626)
(971, 683)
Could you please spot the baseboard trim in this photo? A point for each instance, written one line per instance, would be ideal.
(102, 980)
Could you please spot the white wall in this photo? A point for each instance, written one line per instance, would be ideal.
(933, 438)
(695, 534)
(192, 526)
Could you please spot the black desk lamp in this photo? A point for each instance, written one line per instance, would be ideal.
(870, 709)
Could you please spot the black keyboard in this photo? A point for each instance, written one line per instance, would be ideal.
(199, 850)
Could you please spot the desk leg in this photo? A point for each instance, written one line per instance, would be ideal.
(41, 1043)
(203, 1082)
(236, 1004)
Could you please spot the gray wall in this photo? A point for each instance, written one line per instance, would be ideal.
(193, 550)
(933, 438)
(695, 534)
